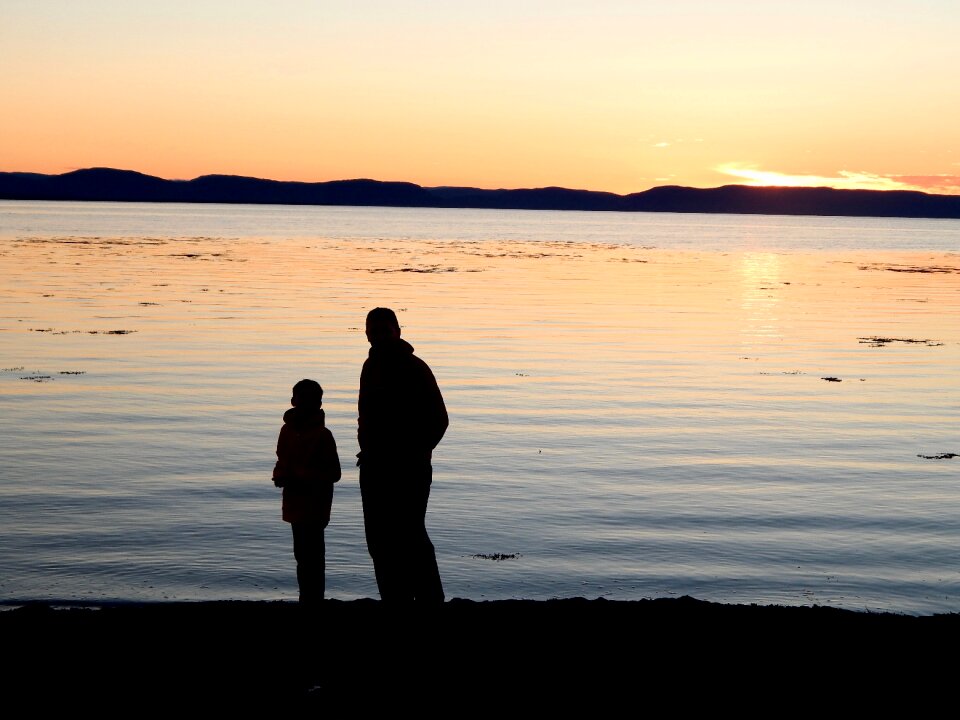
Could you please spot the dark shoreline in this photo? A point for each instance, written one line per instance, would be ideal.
(113, 185)
(507, 658)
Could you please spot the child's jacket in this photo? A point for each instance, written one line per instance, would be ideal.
(307, 466)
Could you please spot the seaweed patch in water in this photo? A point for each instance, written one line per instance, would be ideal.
(421, 269)
(497, 557)
(831, 379)
(37, 378)
(876, 341)
(939, 456)
(73, 372)
(93, 241)
(938, 269)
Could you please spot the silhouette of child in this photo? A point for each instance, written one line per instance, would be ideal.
(307, 467)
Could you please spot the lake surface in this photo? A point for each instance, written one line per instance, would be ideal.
(744, 409)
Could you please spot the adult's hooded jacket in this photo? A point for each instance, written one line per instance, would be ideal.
(402, 416)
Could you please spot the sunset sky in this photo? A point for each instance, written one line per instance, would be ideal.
(600, 94)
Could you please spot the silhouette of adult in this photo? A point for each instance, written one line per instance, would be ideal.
(402, 418)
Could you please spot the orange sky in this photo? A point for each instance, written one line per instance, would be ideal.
(603, 95)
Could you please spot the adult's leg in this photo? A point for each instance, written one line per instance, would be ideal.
(427, 586)
(382, 524)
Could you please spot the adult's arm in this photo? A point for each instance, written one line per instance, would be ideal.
(435, 418)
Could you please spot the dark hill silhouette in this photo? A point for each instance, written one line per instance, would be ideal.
(795, 201)
(236, 189)
(107, 184)
(549, 198)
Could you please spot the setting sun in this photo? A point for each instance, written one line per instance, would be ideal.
(843, 180)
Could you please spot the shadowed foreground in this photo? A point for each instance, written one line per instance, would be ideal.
(464, 658)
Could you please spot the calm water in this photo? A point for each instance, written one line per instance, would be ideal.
(638, 403)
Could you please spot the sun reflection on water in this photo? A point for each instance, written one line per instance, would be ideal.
(760, 276)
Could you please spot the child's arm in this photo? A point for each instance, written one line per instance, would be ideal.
(331, 460)
(280, 470)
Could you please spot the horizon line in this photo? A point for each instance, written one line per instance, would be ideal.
(485, 189)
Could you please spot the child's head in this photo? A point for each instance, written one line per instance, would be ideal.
(307, 394)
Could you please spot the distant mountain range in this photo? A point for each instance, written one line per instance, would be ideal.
(107, 184)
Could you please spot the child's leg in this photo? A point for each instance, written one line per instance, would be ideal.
(310, 553)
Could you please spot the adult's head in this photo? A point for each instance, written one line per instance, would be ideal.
(307, 394)
(382, 325)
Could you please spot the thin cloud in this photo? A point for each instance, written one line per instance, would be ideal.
(843, 180)
(674, 141)
(943, 184)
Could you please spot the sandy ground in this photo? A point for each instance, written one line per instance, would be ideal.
(477, 659)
